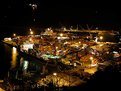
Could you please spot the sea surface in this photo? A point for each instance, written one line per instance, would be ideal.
(5, 59)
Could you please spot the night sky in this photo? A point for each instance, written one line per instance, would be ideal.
(19, 13)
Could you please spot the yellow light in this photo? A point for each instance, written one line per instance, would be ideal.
(9, 39)
(54, 74)
(96, 39)
(101, 37)
(56, 47)
(48, 29)
(31, 32)
(61, 34)
(14, 34)
(91, 58)
(14, 50)
(30, 39)
(14, 57)
(101, 45)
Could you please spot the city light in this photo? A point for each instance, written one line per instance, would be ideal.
(14, 50)
(101, 37)
(33, 6)
(54, 74)
(14, 34)
(25, 65)
(100, 45)
(42, 54)
(96, 39)
(14, 57)
(31, 32)
(56, 47)
(61, 34)
(91, 58)
(30, 39)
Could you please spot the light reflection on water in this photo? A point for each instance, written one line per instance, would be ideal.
(14, 57)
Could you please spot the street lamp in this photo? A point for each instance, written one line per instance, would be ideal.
(55, 79)
(33, 6)
(14, 34)
(101, 37)
(91, 58)
(54, 74)
(30, 39)
(31, 32)
(61, 35)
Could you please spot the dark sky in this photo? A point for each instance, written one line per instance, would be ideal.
(17, 13)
